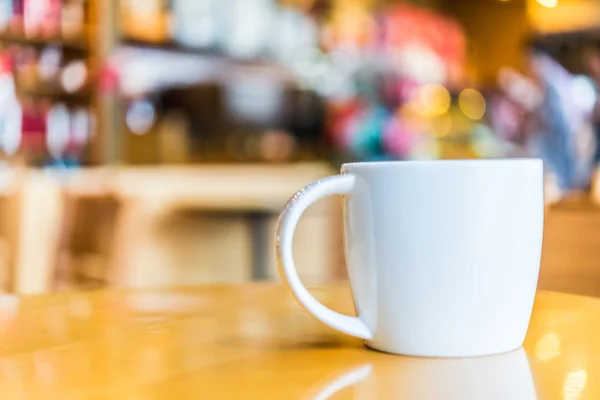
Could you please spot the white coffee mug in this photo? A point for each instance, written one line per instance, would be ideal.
(443, 256)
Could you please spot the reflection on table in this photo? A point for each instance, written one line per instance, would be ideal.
(254, 342)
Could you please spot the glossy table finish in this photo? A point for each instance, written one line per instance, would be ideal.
(254, 342)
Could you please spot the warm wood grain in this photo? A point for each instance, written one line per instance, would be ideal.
(254, 342)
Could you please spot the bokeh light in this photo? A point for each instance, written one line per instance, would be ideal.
(74, 76)
(140, 116)
(548, 3)
(472, 104)
(276, 146)
(432, 100)
(441, 126)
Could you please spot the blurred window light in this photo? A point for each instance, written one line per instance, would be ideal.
(432, 100)
(472, 104)
(584, 93)
(140, 116)
(548, 3)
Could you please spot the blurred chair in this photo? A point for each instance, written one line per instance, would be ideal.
(90, 211)
(85, 247)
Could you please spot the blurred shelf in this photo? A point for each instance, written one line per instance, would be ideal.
(81, 96)
(211, 53)
(171, 46)
(73, 45)
(159, 60)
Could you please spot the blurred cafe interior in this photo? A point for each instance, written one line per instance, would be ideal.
(152, 143)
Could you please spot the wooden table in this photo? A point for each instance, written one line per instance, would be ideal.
(254, 342)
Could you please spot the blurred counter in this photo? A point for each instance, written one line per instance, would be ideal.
(175, 225)
(218, 222)
(245, 187)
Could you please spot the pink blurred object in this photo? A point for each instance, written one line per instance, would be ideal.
(109, 79)
(397, 137)
(405, 25)
(506, 117)
(50, 23)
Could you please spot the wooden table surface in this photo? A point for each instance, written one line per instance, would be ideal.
(254, 342)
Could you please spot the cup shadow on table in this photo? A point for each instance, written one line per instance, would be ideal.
(503, 377)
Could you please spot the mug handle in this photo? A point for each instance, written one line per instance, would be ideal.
(286, 226)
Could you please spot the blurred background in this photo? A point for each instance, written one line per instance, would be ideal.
(149, 143)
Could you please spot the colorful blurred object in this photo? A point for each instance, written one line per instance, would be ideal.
(424, 45)
(409, 99)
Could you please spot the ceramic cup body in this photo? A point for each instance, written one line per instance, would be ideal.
(443, 256)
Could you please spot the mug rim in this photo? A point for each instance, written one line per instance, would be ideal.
(452, 162)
